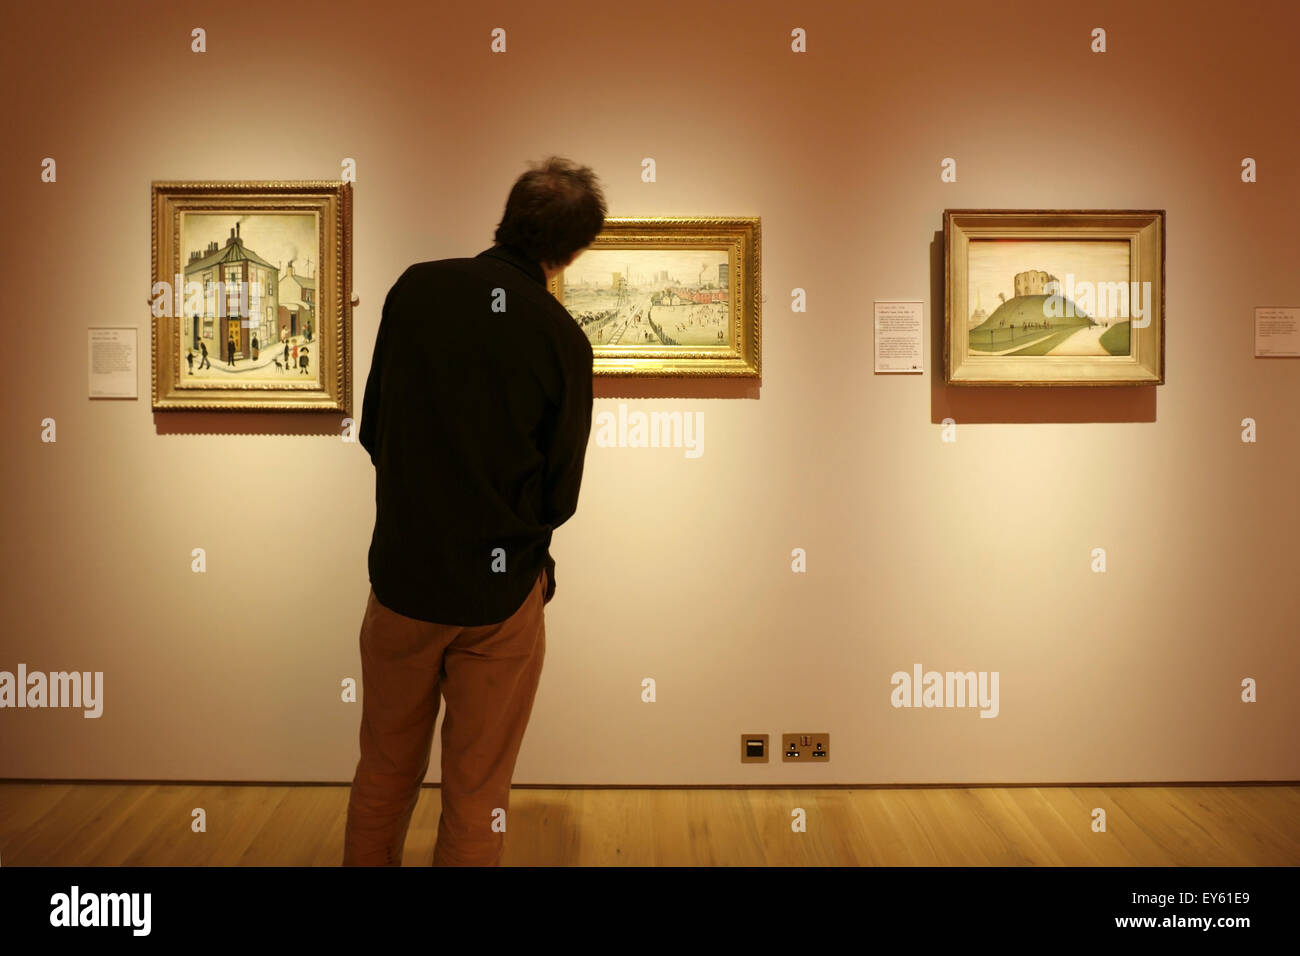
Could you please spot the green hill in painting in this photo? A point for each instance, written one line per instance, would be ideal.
(1115, 339)
(1019, 326)
(1030, 308)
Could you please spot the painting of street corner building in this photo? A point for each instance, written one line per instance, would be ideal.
(261, 319)
(261, 325)
(1055, 298)
(668, 296)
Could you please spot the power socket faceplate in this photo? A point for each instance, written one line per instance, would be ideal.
(805, 748)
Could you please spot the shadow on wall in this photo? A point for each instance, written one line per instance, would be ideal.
(250, 422)
(608, 386)
(986, 404)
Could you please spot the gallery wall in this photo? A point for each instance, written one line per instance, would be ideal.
(973, 554)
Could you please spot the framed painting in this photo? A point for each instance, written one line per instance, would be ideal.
(251, 296)
(669, 296)
(1060, 297)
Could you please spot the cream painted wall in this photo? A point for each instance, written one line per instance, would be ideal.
(679, 569)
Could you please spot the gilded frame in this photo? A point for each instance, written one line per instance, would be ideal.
(1143, 229)
(331, 315)
(741, 238)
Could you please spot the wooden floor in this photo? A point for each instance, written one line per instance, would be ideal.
(147, 825)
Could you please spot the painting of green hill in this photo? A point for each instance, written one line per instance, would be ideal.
(1030, 309)
(1115, 340)
(1025, 319)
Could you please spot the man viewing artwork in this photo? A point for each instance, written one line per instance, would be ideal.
(476, 416)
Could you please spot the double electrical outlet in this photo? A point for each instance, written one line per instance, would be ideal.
(795, 748)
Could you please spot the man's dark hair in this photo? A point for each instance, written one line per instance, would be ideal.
(554, 209)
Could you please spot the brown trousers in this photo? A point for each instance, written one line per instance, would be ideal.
(488, 676)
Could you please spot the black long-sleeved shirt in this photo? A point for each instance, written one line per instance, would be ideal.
(477, 422)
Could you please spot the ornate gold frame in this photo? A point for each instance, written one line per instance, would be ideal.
(333, 203)
(741, 237)
(1145, 231)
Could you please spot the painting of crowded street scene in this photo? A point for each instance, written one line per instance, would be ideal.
(664, 297)
(667, 303)
(250, 295)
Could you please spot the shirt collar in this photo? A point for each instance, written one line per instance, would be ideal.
(517, 259)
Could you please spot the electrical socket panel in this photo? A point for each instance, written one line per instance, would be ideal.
(805, 748)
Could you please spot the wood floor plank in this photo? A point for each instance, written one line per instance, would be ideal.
(28, 804)
(56, 837)
(107, 824)
(1262, 817)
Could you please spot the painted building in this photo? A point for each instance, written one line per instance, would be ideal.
(702, 295)
(1032, 282)
(297, 313)
(978, 316)
(221, 270)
